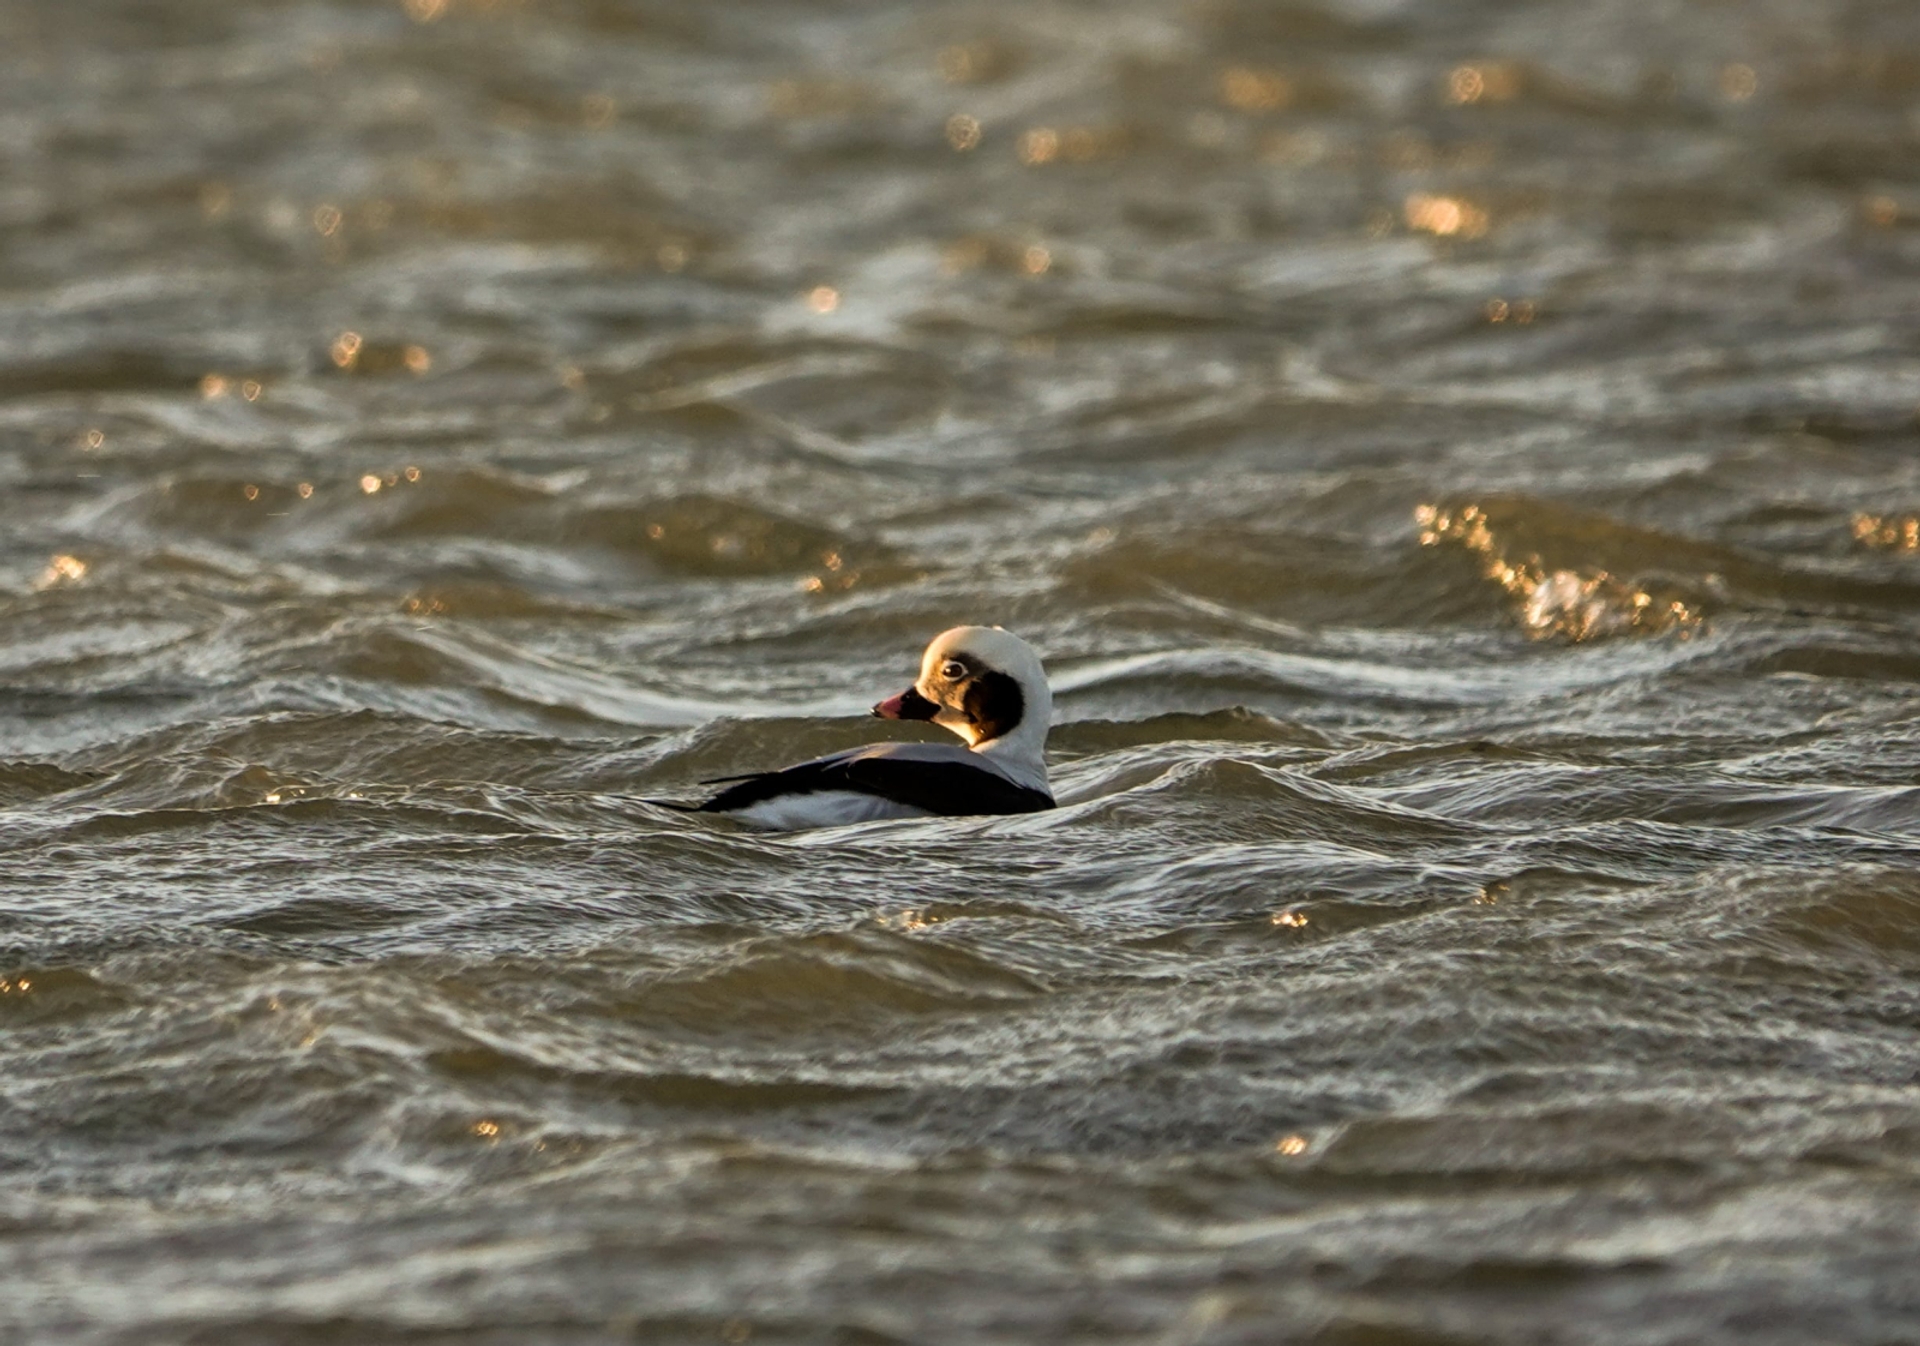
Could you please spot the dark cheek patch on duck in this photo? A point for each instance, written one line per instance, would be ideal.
(994, 704)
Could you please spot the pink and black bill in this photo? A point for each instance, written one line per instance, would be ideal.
(909, 705)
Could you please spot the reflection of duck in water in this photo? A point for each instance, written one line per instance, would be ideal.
(983, 683)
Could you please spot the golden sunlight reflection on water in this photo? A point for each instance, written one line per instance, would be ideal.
(1572, 604)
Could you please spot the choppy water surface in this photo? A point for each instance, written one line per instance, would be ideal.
(1458, 459)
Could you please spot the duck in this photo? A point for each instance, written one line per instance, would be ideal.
(982, 683)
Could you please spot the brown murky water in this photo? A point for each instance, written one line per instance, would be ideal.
(1459, 459)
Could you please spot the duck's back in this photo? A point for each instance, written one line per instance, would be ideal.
(886, 780)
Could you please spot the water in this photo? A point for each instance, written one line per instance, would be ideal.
(1458, 460)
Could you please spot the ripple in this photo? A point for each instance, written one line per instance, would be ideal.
(1456, 461)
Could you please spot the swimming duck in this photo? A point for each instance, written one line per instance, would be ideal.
(981, 682)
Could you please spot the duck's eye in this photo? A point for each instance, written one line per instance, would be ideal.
(953, 670)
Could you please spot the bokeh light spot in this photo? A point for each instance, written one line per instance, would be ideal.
(1445, 216)
(1247, 89)
(1041, 145)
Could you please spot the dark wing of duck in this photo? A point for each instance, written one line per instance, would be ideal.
(942, 780)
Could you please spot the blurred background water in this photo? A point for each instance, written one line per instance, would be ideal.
(1458, 459)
